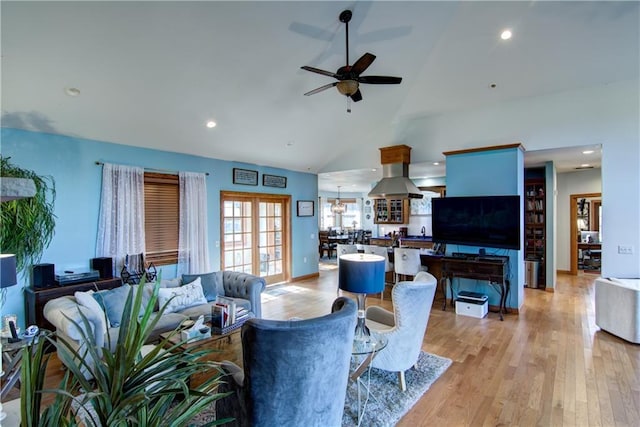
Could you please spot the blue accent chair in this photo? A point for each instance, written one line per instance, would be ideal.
(295, 371)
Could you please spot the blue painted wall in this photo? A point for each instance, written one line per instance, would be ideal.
(71, 162)
(490, 173)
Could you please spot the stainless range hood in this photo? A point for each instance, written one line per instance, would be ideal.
(395, 182)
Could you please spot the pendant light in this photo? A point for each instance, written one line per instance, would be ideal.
(338, 207)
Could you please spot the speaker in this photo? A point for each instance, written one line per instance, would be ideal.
(43, 275)
(104, 266)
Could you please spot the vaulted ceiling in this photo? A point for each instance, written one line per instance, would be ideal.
(151, 74)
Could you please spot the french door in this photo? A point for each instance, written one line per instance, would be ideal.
(255, 234)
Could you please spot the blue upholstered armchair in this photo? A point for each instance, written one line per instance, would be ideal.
(295, 372)
(406, 326)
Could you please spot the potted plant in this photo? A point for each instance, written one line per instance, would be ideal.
(27, 223)
(127, 387)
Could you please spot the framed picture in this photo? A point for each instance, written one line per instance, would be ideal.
(245, 176)
(274, 181)
(305, 208)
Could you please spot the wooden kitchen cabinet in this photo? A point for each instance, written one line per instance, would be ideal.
(391, 211)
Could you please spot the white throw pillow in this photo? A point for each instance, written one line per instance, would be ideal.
(86, 300)
(183, 297)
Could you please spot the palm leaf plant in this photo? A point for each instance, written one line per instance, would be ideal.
(123, 387)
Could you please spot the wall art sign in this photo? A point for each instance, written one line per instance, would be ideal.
(245, 176)
(274, 181)
(305, 208)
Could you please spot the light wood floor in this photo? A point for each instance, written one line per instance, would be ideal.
(550, 365)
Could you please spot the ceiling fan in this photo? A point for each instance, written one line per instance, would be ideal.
(348, 76)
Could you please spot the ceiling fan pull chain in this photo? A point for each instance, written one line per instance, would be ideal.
(348, 104)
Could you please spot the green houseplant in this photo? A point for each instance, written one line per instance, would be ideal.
(126, 388)
(27, 224)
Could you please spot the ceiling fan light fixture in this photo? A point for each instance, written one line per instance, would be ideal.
(347, 87)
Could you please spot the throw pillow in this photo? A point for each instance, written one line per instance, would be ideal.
(86, 300)
(170, 283)
(112, 302)
(183, 297)
(146, 296)
(211, 283)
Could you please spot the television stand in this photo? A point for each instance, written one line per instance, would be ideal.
(490, 268)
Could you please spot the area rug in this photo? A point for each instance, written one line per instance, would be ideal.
(387, 404)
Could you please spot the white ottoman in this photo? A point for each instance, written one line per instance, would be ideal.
(618, 307)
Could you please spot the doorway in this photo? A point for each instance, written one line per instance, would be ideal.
(256, 236)
(585, 216)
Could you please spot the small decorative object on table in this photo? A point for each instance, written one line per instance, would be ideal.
(196, 332)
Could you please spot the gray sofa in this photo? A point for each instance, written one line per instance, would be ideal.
(64, 312)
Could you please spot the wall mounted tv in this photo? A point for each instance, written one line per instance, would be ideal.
(490, 221)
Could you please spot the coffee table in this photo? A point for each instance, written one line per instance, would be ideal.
(226, 347)
(363, 353)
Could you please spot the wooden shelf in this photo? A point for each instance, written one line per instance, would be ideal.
(535, 226)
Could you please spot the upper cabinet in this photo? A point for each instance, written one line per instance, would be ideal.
(390, 211)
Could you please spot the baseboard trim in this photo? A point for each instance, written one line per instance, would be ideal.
(305, 277)
(563, 271)
(552, 290)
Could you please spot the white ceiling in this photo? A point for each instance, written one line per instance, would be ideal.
(152, 73)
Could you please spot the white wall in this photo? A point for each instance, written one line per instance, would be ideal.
(578, 182)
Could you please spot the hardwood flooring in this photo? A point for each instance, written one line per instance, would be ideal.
(549, 365)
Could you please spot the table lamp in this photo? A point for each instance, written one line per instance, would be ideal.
(361, 274)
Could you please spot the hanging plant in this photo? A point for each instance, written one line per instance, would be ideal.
(27, 225)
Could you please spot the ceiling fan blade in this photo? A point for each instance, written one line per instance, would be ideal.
(357, 96)
(321, 88)
(319, 71)
(362, 63)
(379, 80)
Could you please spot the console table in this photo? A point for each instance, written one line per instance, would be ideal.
(494, 269)
(35, 299)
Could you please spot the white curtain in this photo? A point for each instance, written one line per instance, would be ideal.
(193, 251)
(121, 222)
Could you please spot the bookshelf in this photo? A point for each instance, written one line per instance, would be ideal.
(535, 227)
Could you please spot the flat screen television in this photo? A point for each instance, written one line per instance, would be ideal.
(491, 221)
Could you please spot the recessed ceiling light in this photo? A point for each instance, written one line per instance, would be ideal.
(492, 85)
(585, 165)
(211, 124)
(587, 152)
(72, 91)
(436, 163)
(373, 170)
(506, 34)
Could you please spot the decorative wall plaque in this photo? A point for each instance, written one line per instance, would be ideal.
(245, 176)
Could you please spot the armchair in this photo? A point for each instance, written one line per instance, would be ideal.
(295, 372)
(405, 327)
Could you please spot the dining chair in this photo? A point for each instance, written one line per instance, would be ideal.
(406, 262)
(325, 244)
(383, 251)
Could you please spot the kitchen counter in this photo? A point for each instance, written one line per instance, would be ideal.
(423, 242)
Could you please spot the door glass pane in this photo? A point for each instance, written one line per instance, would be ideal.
(237, 235)
(270, 238)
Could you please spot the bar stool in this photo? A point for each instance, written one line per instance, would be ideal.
(383, 251)
(406, 262)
